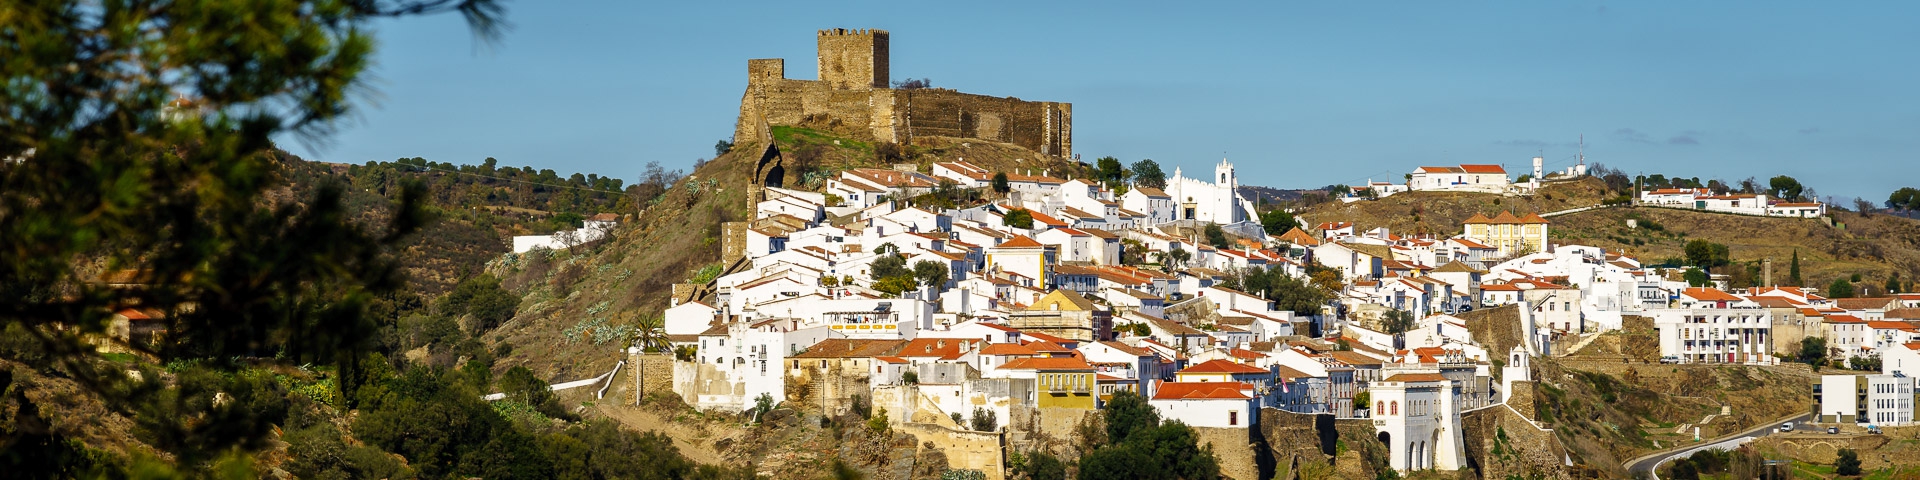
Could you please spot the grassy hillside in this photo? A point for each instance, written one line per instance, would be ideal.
(478, 207)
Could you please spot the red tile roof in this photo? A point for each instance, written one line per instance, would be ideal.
(1709, 294)
(1417, 377)
(1047, 363)
(1223, 366)
(1020, 241)
(1202, 391)
(1007, 349)
(1483, 169)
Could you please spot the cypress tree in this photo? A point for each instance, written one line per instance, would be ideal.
(1793, 270)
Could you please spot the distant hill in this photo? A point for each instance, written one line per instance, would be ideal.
(479, 207)
(1872, 246)
(1268, 195)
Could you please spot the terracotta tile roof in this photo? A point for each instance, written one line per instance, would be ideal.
(1223, 366)
(1890, 325)
(1130, 350)
(1246, 354)
(1849, 319)
(1048, 363)
(1709, 294)
(851, 348)
(1042, 346)
(942, 348)
(1202, 391)
(1904, 313)
(1469, 243)
(1483, 169)
(1150, 191)
(1297, 236)
(1865, 303)
(1417, 377)
(1020, 241)
(1007, 349)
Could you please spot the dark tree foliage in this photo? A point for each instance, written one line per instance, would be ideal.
(1840, 288)
(1109, 171)
(1147, 173)
(138, 171)
(1906, 198)
(1793, 271)
(1127, 413)
(1785, 188)
(103, 164)
(482, 297)
(1396, 322)
(930, 273)
(1140, 446)
(1041, 466)
(1018, 218)
(1707, 255)
(1000, 184)
(913, 83)
(722, 147)
(1277, 221)
(1813, 350)
(1696, 277)
(1216, 236)
(1287, 292)
(984, 420)
(1848, 462)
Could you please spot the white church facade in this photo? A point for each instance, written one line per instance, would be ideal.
(1215, 199)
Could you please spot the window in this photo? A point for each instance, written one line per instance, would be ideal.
(1395, 406)
(1233, 418)
(1379, 406)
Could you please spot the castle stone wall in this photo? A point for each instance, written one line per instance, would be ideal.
(965, 449)
(852, 98)
(1234, 449)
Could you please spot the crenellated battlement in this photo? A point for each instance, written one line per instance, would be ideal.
(853, 97)
(860, 32)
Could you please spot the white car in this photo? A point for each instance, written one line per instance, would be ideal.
(1786, 427)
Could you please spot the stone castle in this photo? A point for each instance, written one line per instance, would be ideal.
(853, 97)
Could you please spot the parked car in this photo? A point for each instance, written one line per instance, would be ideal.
(1786, 427)
(1833, 430)
(1670, 359)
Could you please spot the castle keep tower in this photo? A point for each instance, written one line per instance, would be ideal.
(853, 59)
(854, 98)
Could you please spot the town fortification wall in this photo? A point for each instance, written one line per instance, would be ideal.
(1500, 444)
(965, 449)
(1233, 447)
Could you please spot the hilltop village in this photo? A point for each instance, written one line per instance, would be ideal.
(1021, 314)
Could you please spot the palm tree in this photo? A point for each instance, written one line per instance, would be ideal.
(651, 334)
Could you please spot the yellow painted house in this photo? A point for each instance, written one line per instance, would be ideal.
(1060, 382)
(1513, 235)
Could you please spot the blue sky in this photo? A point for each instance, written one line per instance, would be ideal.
(1297, 94)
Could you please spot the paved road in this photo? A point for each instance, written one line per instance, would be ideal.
(1643, 467)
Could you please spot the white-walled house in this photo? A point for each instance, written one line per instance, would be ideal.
(1462, 178)
(1206, 404)
(1716, 335)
